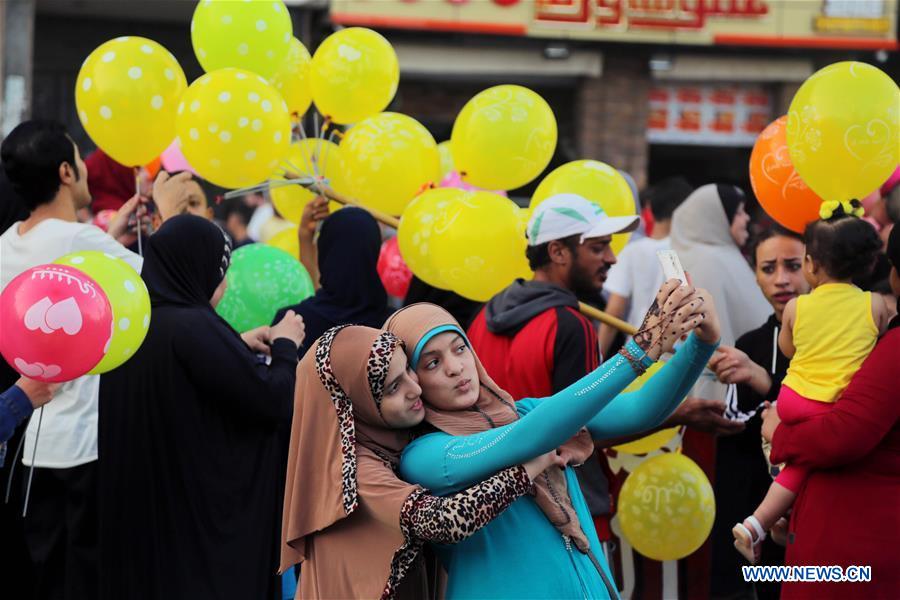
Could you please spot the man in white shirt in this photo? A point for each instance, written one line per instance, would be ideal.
(45, 168)
(633, 281)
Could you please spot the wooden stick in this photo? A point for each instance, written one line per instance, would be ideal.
(391, 221)
(598, 315)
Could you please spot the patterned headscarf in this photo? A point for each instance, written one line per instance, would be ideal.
(342, 501)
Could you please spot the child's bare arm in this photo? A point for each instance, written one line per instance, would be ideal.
(786, 337)
(880, 312)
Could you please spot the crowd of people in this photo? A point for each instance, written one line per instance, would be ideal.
(445, 448)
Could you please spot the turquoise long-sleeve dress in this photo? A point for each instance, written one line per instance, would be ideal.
(520, 554)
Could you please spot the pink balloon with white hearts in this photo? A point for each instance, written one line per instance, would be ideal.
(56, 323)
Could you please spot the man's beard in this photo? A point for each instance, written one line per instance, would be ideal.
(582, 282)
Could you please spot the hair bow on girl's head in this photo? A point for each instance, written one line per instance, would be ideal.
(829, 209)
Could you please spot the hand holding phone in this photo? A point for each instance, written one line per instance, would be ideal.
(671, 266)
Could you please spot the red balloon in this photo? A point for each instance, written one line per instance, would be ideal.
(392, 269)
(776, 184)
(56, 321)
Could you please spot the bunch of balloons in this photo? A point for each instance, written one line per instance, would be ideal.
(87, 300)
(839, 141)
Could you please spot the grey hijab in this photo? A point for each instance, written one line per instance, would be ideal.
(701, 234)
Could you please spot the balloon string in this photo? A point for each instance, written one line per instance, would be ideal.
(12, 469)
(262, 187)
(318, 163)
(37, 437)
(323, 158)
(315, 124)
(137, 212)
(309, 170)
(296, 124)
(289, 167)
(317, 184)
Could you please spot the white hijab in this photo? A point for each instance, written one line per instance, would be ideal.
(701, 234)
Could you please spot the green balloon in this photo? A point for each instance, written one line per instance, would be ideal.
(262, 280)
(128, 298)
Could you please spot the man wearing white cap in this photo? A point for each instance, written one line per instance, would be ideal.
(533, 340)
(531, 337)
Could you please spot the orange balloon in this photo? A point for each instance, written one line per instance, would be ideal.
(780, 190)
(153, 167)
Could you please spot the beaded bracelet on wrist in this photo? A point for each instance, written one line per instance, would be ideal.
(636, 364)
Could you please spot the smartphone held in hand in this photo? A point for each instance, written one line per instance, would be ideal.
(671, 266)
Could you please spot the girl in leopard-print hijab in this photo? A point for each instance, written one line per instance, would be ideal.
(354, 525)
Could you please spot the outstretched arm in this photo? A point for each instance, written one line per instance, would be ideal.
(445, 463)
(643, 409)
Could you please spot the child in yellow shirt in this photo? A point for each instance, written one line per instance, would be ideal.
(827, 334)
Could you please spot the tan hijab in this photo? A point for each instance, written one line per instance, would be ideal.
(494, 408)
(342, 501)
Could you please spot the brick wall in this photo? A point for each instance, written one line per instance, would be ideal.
(611, 113)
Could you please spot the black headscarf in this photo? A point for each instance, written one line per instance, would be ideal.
(186, 261)
(893, 254)
(12, 208)
(351, 292)
(731, 198)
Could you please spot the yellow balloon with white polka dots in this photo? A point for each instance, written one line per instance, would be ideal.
(233, 128)
(253, 35)
(126, 94)
(128, 298)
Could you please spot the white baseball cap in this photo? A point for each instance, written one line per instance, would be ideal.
(563, 215)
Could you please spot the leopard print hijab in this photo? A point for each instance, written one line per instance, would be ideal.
(494, 408)
(342, 500)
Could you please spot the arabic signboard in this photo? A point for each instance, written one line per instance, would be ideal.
(708, 115)
(847, 24)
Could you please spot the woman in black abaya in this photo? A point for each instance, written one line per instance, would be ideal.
(191, 436)
(351, 292)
